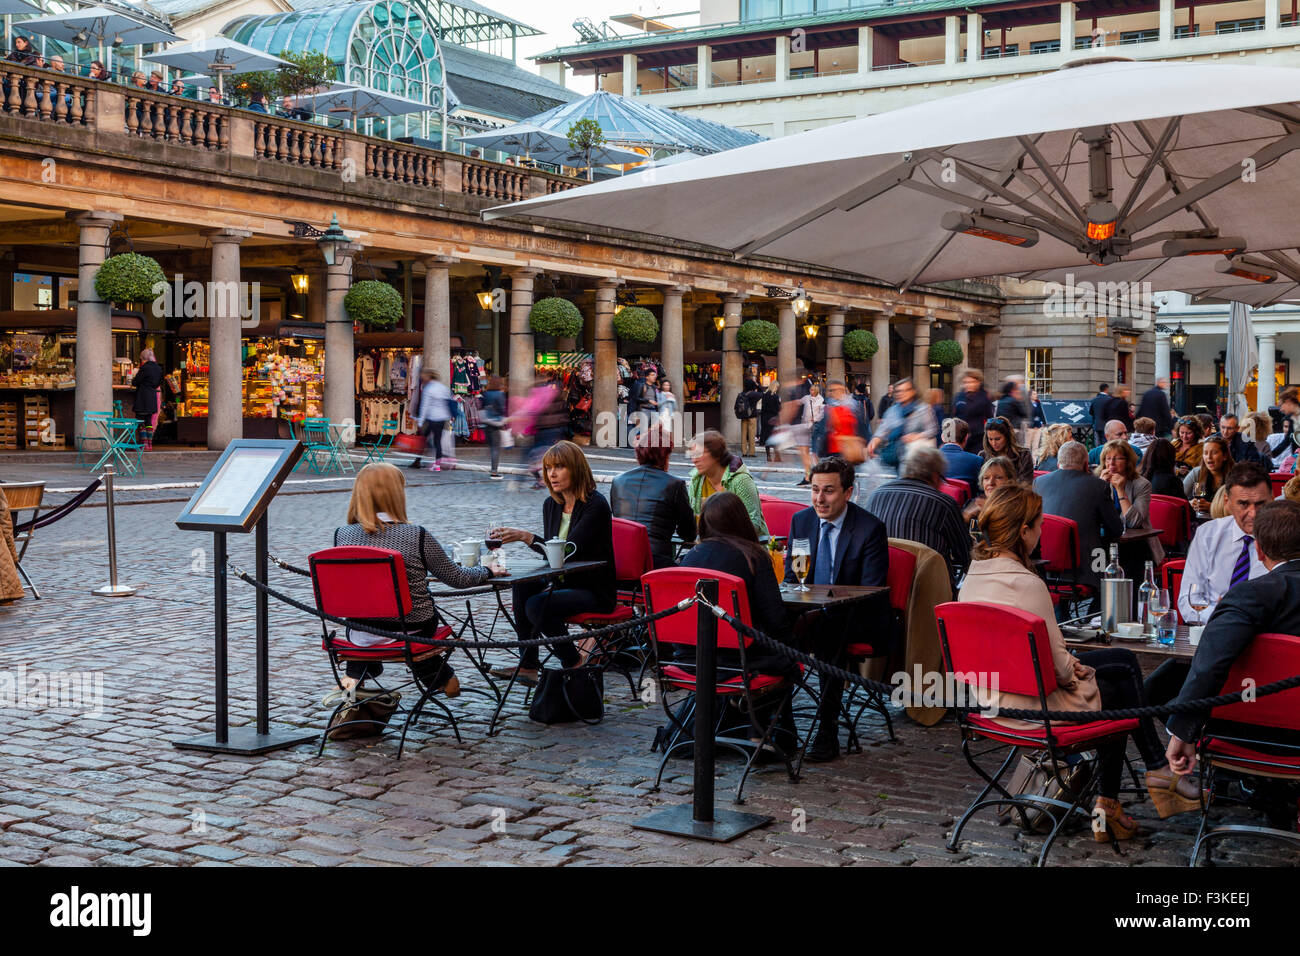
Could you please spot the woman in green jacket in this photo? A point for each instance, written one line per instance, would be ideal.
(716, 469)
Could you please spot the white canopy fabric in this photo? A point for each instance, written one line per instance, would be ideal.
(1240, 359)
(210, 53)
(100, 24)
(11, 7)
(548, 146)
(360, 102)
(868, 196)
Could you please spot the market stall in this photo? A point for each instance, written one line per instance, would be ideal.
(701, 389)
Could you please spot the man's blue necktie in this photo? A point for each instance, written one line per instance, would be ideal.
(825, 556)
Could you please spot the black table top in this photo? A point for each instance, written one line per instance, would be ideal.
(826, 595)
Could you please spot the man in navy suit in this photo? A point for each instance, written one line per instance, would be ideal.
(848, 546)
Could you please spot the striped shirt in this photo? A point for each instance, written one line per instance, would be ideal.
(914, 511)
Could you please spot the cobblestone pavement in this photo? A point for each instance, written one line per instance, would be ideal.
(110, 789)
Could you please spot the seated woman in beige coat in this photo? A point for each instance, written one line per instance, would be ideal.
(1010, 525)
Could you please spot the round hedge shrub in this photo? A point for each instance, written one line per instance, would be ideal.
(375, 303)
(636, 324)
(557, 317)
(129, 277)
(860, 345)
(758, 335)
(945, 352)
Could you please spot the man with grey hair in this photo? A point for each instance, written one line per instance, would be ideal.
(1074, 492)
(1115, 431)
(916, 509)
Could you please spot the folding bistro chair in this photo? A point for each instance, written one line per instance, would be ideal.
(377, 449)
(364, 583)
(902, 569)
(632, 559)
(1255, 738)
(320, 454)
(22, 497)
(777, 513)
(677, 679)
(1059, 546)
(990, 639)
(1173, 516)
(94, 440)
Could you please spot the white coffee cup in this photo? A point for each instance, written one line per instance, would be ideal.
(557, 551)
(469, 552)
(1131, 629)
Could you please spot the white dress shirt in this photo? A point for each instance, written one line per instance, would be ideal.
(837, 524)
(1210, 561)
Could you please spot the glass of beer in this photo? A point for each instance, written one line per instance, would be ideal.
(800, 554)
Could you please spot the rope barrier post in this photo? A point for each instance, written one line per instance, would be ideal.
(701, 820)
(112, 588)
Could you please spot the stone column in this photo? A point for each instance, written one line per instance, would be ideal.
(783, 58)
(672, 337)
(1067, 27)
(1272, 15)
(787, 359)
(1162, 356)
(733, 372)
(340, 353)
(225, 337)
(1264, 396)
(629, 74)
(94, 358)
(835, 346)
(521, 336)
(604, 405)
(866, 41)
(962, 334)
(992, 367)
(880, 361)
(688, 328)
(952, 40)
(974, 37)
(437, 316)
(703, 66)
(921, 353)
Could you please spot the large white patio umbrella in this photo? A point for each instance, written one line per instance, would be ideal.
(1241, 358)
(104, 26)
(359, 102)
(1105, 161)
(216, 56)
(548, 146)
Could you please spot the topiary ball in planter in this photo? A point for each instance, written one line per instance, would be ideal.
(375, 303)
(860, 345)
(557, 317)
(636, 324)
(945, 352)
(758, 335)
(129, 277)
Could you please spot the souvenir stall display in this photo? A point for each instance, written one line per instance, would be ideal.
(700, 390)
(468, 379)
(386, 378)
(575, 372)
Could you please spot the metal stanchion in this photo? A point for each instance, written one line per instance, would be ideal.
(701, 820)
(112, 588)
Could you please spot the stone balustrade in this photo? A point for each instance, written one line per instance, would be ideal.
(47, 96)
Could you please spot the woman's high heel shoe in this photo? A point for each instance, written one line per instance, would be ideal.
(1172, 793)
(1119, 825)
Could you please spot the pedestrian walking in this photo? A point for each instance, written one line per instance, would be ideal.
(495, 421)
(433, 415)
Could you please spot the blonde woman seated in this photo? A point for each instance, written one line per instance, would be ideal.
(1130, 493)
(1050, 440)
(996, 473)
(377, 519)
(1011, 524)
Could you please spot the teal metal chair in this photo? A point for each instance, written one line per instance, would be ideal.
(377, 449)
(321, 455)
(93, 441)
(124, 446)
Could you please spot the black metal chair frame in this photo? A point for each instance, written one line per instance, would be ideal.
(1205, 834)
(1056, 754)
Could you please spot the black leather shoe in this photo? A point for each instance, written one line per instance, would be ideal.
(823, 749)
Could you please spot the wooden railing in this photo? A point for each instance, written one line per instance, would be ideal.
(40, 94)
(48, 97)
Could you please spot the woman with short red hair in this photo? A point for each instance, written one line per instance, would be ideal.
(650, 496)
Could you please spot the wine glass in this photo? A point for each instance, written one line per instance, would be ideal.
(489, 540)
(800, 554)
(1158, 606)
(1198, 596)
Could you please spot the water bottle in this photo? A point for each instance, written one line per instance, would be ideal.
(1144, 599)
(1113, 570)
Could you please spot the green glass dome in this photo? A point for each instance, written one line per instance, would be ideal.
(384, 45)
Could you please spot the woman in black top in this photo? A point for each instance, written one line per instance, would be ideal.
(579, 514)
(769, 416)
(1157, 467)
(650, 496)
(1000, 442)
(148, 395)
(728, 543)
(377, 519)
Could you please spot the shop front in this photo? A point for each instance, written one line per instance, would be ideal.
(38, 374)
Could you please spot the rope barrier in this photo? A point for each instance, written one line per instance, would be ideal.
(61, 512)
(1017, 713)
(486, 645)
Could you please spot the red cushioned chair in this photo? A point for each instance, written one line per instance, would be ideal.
(993, 639)
(1278, 480)
(677, 680)
(777, 513)
(1237, 748)
(632, 559)
(1173, 516)
(1059, 546)
(957, 489)
(1039, 474)
(363, 583)
(902, 569)
(1171, 579)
